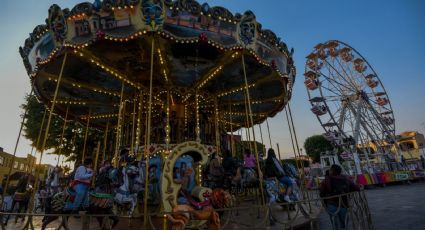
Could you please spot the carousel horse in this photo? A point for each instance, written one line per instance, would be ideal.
(126, 197)
(245, 178)
(139, 182)
(249, 178)
(21, 198)
(203, 210)
(100, 202)
(275, 193)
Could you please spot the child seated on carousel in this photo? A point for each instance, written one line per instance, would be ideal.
(81, 185)
(182, 176)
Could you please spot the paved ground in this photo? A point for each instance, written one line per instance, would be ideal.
(394, 207)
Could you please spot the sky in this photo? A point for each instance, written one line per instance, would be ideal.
(390, 34)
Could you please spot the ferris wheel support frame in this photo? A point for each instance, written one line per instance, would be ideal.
(352, 101)
(356, 137)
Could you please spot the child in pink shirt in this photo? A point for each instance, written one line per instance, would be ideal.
(249, 160)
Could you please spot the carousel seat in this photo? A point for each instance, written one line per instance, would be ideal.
(101, 200)
(58, 202)
(70, 194)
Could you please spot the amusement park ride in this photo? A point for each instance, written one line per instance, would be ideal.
(169, 80)
(351, 104)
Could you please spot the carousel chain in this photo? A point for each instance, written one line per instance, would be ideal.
(253, 131)
(248, 136)
(14, 151)
(232, 142)
(65, 121)
(105, 140)
(305, 194)
(40, 132)
(85, 137)
(46, 134)
(167, 127)
(217, 132)
(292, 138)
(117, 138)
(261, 134)
(148, 128)
(96, 160)
(133, 127)
(138, 133)
(197, 129)
(268, 131)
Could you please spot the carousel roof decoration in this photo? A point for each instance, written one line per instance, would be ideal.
(197, 53)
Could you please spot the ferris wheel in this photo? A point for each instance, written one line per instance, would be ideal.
(348, 98)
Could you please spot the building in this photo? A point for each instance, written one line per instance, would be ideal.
(411, 144)
(20, 164)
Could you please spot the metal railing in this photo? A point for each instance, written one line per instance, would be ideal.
(352, 212)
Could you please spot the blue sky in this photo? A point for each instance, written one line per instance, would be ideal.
(389, 34)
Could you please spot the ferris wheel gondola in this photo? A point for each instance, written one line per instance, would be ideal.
(348, 99)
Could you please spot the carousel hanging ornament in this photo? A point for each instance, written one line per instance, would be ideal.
(203, 37)
(248, 28)
(100, 34)
(153, 12)
(57, 23)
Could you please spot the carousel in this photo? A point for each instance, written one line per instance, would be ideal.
(170, 81)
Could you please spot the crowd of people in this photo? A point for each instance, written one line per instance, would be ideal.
(234, 172)
(223, 172)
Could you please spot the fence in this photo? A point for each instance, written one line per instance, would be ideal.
(306, 214)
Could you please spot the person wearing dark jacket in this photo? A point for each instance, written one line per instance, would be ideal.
(273, 168)
(336, 184)
(229, 164)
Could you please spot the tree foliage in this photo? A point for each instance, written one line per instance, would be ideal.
(315, 145)
(73, 138)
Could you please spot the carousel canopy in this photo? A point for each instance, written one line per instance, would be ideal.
(197, 52)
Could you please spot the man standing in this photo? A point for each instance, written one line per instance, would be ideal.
(336, 184)
(81, 185)
(55, 180)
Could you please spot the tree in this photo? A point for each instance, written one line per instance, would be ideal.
(315, 145)
(73, 139)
